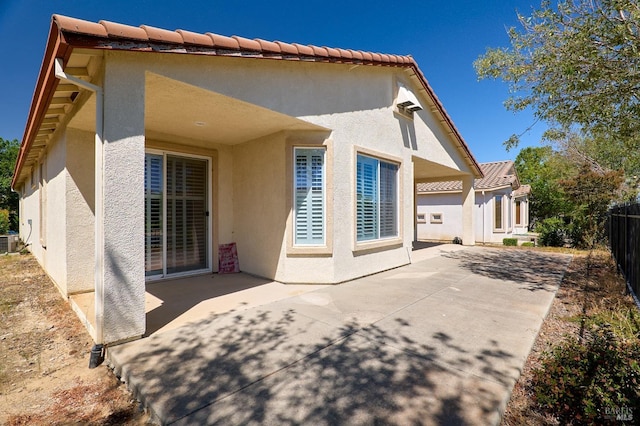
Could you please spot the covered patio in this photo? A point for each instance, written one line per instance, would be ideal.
(170, 304)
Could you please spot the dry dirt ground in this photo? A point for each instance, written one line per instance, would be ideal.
(590, 286)
(44, 358)
(44, 350)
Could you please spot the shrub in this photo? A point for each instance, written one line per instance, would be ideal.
(4, 221)
(528, 244)
(587, 380)
(552, 232)
(510, 241)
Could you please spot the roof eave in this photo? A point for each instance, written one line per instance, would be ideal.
(56, 48)
(448, 121)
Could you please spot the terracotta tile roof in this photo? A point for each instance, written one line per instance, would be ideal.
(68, 33)
(168, 41)
(497, 174)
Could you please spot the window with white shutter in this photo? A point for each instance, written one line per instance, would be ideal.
(309, 196)
(376, 199)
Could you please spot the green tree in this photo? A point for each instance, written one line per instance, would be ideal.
(8, 199)
(591, 193)
(543, 168)
(576, 63)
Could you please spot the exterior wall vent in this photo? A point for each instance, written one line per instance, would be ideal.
(407, 103)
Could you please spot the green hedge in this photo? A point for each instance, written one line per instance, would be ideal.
(510, 241)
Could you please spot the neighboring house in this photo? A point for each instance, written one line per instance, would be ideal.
(146, 149)
(502, 206)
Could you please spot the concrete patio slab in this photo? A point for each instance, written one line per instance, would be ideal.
(440, 341)
(358, 382)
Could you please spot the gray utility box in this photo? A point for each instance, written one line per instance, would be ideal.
(8, 243)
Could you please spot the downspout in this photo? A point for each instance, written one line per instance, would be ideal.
(97, 352)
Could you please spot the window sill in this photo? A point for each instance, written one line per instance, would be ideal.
(309, 251)
(367, 247)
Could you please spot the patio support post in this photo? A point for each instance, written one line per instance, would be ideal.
(123, 199)
(468, 216)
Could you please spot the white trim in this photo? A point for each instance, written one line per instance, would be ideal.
(458, 191)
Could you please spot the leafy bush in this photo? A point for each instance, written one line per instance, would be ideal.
(528, 244)
(585, 381)
(4, 221)
(510, 241)
(552, 232)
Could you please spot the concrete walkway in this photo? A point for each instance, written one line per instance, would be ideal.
(441, 341)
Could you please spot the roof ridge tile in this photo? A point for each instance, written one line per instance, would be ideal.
(268, 46)
(195, 39)
(224, 42)
(80, 26)
(115, 29)
(248, 44)
(159, 34)
(303, 49)
(287, 48)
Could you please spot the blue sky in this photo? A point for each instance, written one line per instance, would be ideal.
(443, 36)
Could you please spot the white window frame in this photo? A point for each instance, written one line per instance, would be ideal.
(502, 212)
(209, 259)
(311, 241)
(397, 188)
(436, 218)
(517, 214)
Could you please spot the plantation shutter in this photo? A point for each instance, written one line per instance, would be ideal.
(186, 214)
(388, 200)
(309, 200)
(366, 202)
(153, 174)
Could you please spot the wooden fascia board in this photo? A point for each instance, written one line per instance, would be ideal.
(43, 93)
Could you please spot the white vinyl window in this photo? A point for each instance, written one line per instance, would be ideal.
(498, 209)
(309, 196)
(376, 199)
(518, 212)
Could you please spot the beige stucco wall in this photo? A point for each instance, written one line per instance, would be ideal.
(356, 104)
(80, 205)
(449, 204)
(123, 183)
(29, 218)
(259, 203)
(49, 247)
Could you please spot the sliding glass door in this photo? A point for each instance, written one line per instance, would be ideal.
(176, 214)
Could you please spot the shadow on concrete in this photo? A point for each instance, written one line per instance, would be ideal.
(419, 245)
(532, 270)
(180, 295)
(272, 368)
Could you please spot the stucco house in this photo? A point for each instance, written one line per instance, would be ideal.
(146, 149)
(501, 207)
